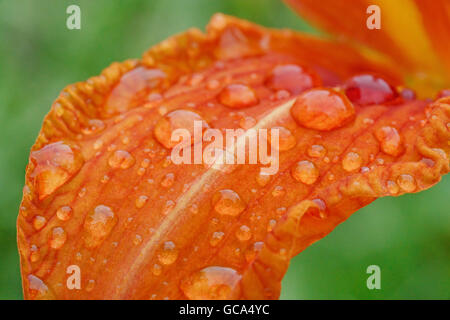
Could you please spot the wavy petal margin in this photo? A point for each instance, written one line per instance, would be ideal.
(103, 196)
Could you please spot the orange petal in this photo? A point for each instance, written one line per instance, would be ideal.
(103, 197)
(413, 33)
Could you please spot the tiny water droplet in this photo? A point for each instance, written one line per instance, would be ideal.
(58, 238)
(216, 238)
(247, 122)
(39, 222)
(156, 269)
(228, 202)
(98, 225)
(34, 253)
(121, 159)
(278, 191)
(251, 253)
(305, 171)
(286, 139)
(243, 233)
(317, 151)
(390, 140)
(352, 161)
(262, 179)
(168, 180)
(90, 285)
(406, 182)
(64, 213)
(141, 201)
(168, 253)
(238, 96)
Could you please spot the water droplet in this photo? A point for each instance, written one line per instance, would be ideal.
(38, 289)
(238, 96)
(390, 140)
(352, 161)
(305, 171)
(168, 180)
(247, 122)
(271, 225)
(137, 240)
(262, 179)
(212, 283)
(90, 285)
(322, 109)
(168, 253)
(317, 151)
(367, 89)
(228, 202)
(121, 159)
(406, 182)
(156, 269)
(94, 126)
(443, 93)
(251, 253)
(39, 222)
(64, 213)
(98, 225)
(278, 191)
(286, 139)
(170, 204)
(216, 238)
(54, 165)
(243, 233)
(34, 253)
(178, 119)
(58, 238)
(293, 78)
(141, 201)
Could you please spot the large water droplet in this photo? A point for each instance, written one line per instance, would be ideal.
(238, 96)
(54, 165)
(98, 225)
(293, 78)
(305, 171)
(352, 161)
(367, 89)
(228, 202)
(58, 238)
(322, 109)
(212, 283)
(121, 159)
(178, 119)
(168, 253)
(390, 140)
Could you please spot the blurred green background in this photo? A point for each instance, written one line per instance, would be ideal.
(408, 237)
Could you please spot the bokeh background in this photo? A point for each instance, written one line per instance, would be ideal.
(408, 237)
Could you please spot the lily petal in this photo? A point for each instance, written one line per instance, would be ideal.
(103, 195)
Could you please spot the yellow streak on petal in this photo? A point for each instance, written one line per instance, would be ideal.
(403, 21)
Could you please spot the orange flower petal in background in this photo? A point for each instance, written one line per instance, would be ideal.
(103, 194)
(413, 33)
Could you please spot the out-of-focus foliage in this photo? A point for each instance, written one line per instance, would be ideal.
(407, 237)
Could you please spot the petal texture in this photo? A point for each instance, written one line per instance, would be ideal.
(103, 195)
